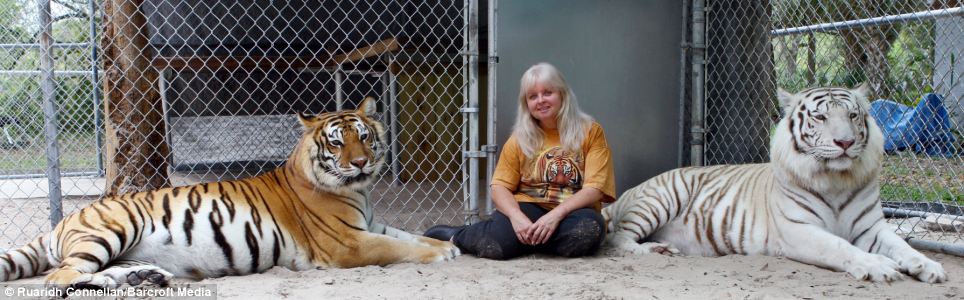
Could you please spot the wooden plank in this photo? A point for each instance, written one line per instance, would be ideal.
(275, 62)
(245, 62)
(375, 49)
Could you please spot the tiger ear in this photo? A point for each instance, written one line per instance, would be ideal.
(367, 107)
(862, 91)
(308, 120)
(787, 100)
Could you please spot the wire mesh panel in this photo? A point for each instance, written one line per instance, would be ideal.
(908, 51)
(182, 92)
(24, 205)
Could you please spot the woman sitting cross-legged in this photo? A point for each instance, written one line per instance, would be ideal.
(553, 174)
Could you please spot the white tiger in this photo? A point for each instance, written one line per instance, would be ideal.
(816, 201)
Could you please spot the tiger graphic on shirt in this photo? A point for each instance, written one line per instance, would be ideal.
(554, 175)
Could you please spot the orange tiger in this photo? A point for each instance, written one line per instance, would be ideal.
(311, 212)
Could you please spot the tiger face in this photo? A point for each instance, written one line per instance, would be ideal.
(342, 149)
(559, 168)
(830, 125)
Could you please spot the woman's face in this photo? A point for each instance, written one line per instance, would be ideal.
(544, 103)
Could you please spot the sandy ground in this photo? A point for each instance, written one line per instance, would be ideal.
(606, 276)
(601, 277)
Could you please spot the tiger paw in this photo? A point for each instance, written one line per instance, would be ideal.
(874, 267)
(619, 249)
(451, 249)
(138, 274)
(447, 251)
(924, 269)
(82, 281)
(431, 242)
(444, 253)
(660, 248)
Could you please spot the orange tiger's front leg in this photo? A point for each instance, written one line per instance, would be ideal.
(80, 264)
(377, 249)
(405, 236)
(90, 241)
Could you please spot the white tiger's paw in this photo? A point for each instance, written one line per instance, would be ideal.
(924, 269)
(660, 248)
(640, 249)
(874, 267)
(619, 242)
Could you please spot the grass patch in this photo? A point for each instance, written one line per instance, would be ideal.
(77, 154)
(920, 178)
(904, 193)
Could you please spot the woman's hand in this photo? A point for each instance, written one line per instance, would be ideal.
(506, 204)
(545, 226)
(542, 229)
(521, 226)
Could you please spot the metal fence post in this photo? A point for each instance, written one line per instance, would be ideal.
(471, 57)
(684, 53)
(493, 154)
(696, 107)
(47, 86)
(393, 117)
(95, 88)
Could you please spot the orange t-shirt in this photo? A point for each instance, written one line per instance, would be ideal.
(555, 174)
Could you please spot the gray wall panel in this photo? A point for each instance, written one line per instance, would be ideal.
(622, 60)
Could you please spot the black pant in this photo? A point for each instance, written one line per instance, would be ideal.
(579, 234)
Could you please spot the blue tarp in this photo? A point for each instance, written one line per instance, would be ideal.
(922, 129)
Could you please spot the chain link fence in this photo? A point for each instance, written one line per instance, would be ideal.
(908, 51)
(172, 92)
(142, 94)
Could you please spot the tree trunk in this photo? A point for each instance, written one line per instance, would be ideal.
(866, 48)
(811, 59)
(788, 47)
(136, 152)
(865, 55)
(740, 82)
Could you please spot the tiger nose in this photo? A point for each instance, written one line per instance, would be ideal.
(359, 162)
(844, 144)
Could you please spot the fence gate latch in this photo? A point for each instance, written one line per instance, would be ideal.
(484, 151)
(490, 149)
(474, 154)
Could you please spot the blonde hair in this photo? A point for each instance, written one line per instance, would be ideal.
(571, 122)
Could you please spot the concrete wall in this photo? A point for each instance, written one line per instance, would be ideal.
(621, 58)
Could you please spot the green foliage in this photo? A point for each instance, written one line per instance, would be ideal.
(20, 95)
(903, 193)
(910, 61)
(794, 13)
